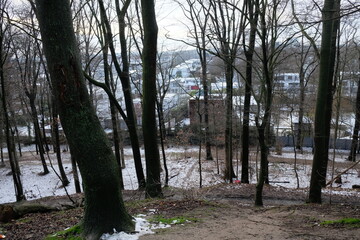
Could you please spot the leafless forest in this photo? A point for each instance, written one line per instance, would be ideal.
(92, 87)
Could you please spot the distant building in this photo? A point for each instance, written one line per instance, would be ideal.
(189, 68)
(349, 82)
(184, 85)
(286, 82)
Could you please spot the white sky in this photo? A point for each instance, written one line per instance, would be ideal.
(170, 22)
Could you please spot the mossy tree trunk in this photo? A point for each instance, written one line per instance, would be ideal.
(104, 207)
(152, 157)
(330, 16)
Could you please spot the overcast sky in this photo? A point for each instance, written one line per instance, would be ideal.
(170, 21)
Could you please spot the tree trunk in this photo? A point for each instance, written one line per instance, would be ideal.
(246, 120)
(125, 82)
(43, 132)
(17, 137)
(229, 169)
(204, 77)
(2, 164)
(264, 127)
(299, 135)
(114, 120)
(110, 84)
(152, 157)
(162, 140)
(161, 118)
(104, 207)
(263, 163)
(15, 170)
(355, 136)
(57, 148)
(200, 142)
(75, 174)
(38, 137)
(116, 141)
(249, 53)
(323, 112)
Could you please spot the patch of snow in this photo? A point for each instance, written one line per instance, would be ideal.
(142, 227)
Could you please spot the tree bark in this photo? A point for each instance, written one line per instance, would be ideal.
(55, 126)
(249, 53)
(229, 169)
(75, 173)
(152, 157)
(330, 16)
(38, 137)
(204, 79)
(263, 128)
(355, 136)
(104, 207)
(162, 132)
(299, 135)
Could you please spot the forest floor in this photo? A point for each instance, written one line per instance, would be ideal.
(223, 211)
(219, 211)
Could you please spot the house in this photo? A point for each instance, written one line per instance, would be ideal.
(286, 82)
(217, 113)
(189, 68)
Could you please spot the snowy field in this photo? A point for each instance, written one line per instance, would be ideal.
(183, 169)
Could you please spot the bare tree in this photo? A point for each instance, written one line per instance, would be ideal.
(269, 31)
(153, 183)
(199, 15)
(252, 8)
(355, 136)
(123, 73)
(225, 34)
(307, 64)
(27, 59)
(165, 68)
(330, 18)
(4, 60)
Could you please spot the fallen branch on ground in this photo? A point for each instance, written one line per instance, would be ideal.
(337, 176)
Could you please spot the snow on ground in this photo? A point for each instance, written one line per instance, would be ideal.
(142, 227)
(284, 175)
(288, 152)
(183, 169)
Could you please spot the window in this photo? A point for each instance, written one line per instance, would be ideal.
(279, 78)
